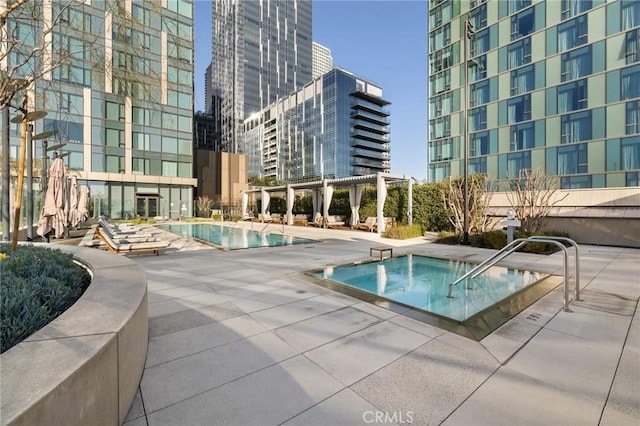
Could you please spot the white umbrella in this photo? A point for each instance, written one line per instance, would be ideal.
(53, 214)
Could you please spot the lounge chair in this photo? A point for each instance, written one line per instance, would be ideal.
(368, 224)
(317, 221)
(334, 222)
(128, 247)
(265, 218)
(388, 223)
(300, 219)
(119, 230)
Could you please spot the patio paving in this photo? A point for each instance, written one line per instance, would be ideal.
(243, 338)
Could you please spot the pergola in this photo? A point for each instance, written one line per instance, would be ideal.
(323, 192)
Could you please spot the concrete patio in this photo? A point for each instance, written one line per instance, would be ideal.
(244, 338)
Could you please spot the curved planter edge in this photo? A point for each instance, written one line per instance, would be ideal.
(86, 365)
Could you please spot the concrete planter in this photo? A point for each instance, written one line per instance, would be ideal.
(85, 366)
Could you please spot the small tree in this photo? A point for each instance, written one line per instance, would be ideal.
(479, 193)
(203, 205)
(532, 196)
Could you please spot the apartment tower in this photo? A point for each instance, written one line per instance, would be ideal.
(261, 51)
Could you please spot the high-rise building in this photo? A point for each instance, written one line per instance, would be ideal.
(553, 85)
(261, 51)
(122, 106)
(336, 126)
(322, 60)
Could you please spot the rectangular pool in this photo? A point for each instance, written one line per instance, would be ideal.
(423, 283)
(231, 238)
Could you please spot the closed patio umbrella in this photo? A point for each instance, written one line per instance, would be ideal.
(53, 214)
(81, 212)
(73, 202)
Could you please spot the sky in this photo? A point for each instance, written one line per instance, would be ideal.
(383, 41)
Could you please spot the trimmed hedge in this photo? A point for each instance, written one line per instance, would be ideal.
(403, 232)
(498, 239)
(38, 284)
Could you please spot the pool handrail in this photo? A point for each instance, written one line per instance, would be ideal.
(510, 248)
(576, 263)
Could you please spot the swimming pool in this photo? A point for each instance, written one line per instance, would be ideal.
(232, 238)
(422, 283)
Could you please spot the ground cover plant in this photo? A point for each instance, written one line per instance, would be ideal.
(38, 284)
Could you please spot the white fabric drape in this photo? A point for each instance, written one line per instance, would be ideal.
(355, 195)
(245, 203)
(315, 199)
(290, 201)
(328, 195)
(265, 202)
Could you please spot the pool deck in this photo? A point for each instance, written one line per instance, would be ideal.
(242, 337)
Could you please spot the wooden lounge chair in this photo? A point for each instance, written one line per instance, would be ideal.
(317, 221)
(265, 218)
(300, 219)
(334, 222)
(388, 223)
(368, 224)
(128, 247)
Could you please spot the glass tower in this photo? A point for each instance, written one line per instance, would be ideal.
(261, 51)
(553, 85)
(336, 126)
(120, 107)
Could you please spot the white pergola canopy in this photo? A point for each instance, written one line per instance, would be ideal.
(322, 193)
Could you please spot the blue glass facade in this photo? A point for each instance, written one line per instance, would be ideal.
(336, 126)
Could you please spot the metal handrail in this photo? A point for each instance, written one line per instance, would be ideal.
(513, 246)
(577, 261)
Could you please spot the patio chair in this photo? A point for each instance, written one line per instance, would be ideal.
(334, 222)
(317, 220)
(300, 219)
(368, 224)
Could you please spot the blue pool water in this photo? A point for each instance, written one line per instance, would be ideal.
(232, 238)
(423, 282)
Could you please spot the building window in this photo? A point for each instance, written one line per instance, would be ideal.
(518, 161)
(440, 82)
(572, 96)
(575, 182)
(478, 68)
(576, 127)
(442, 59)
(574, 7)
(522, 80)
(630, 154)
(519, 109)
(522, 136)
(478, 165)
(440, 127)
(630, 14)
(572, 33)
(441, 150)
(440, 37)
(633, 117)
(478, 17)
(576, 64)
(479, 93)
(522, 24)
(480, 42)
(441, 105)
(572, 159)
(479, 144)
(630, 81)
(440, 171)
(519, 53)
(516, 5)
(633, 179)
(440, 15)
(632, 45)
(478, 119)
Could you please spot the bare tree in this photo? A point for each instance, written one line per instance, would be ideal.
(480, 192)
(532, 196)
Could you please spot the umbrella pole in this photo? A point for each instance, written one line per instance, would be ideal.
(23, 148)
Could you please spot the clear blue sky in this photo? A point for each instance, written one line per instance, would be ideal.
(383, 41)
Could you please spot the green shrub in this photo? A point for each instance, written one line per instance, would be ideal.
(447, 237)
(403, 232)
(38, 284)
(492, 239)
